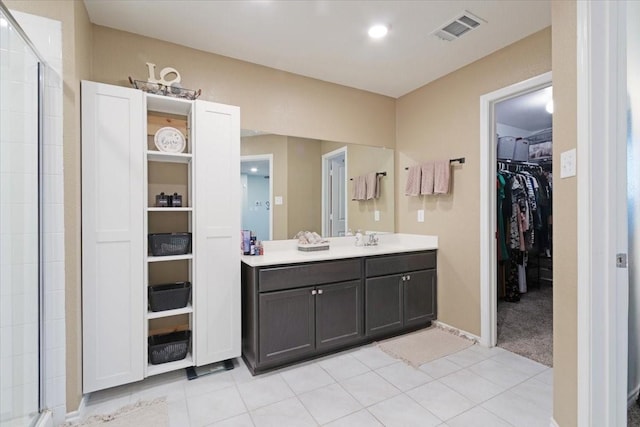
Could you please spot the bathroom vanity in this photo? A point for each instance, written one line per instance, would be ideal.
(299, 305)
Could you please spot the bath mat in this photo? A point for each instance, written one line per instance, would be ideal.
(424, 346)
(154, 413)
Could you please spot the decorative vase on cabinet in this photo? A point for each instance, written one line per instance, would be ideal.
(122, 171)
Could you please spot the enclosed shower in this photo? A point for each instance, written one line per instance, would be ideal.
(31, 307)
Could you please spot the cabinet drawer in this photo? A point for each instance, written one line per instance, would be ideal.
(294, 276)
(400, 263)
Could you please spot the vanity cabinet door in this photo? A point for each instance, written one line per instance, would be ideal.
(287, 324)
(383, 304)
(338, 314)
(419, 297)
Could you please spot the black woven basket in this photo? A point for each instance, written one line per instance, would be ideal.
(168, 347)
(169, 296)
(165, 244)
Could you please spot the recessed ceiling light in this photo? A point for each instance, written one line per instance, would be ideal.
(254, 170)
(549, 107)
(378, 31)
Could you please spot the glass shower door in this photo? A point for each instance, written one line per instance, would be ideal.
(19, 230)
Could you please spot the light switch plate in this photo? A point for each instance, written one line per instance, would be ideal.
(376, 215)
(277, 200)
(568, 163)
(421, 215)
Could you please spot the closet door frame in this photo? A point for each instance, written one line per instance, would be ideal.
(488, 210)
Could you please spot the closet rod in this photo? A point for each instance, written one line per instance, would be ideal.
(377, 174)
(460, 160)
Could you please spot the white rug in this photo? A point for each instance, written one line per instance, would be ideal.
(424, 346)
(154, 413)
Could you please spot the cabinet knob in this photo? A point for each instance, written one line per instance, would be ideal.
(408, 277)
(404, 278)
(320, 291)
(313, 292)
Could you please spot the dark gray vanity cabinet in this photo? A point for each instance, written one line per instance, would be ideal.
(299, 311)
(286, 320)
(400, 292)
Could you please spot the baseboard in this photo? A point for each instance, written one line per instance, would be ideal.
(45, 419)
(75, 416)
(457, 331)
(553, 423)
(632, 397)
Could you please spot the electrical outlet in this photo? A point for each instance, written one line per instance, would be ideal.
(376, 215)
(421, 215)
(278, 200)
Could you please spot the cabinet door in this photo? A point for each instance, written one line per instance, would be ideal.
(287, 324)
(383, 302)
(113, 147)
(419, 297)
(338, 314)
(216, 287)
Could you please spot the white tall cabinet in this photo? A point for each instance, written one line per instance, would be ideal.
(122, 171)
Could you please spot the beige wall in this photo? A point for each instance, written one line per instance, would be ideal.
(440, 121)
(270, 100)
(305, 185)
(77, 41)
(277, 146)
(565, 215)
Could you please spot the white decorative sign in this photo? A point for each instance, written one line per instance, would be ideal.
(163, 75)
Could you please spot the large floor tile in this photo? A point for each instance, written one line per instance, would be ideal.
(477, 417)
(209, 383)
(307, 378)
(499, 373)
(264, 391)
(440, 400)
(241, 373)
(361, 418)
(170, 388)
(373, 357)
(329, 403)
(520, 363)
(369, 388)
(439, 368)
(402, 411)
(178, 413)
(517, 411)
(487, 351)
(466, 357)
(286, 413)
(242, 420)
(343, 366)
(211, 407)
(537, 392)
(403, 376)
(545, 376)
(472, 386)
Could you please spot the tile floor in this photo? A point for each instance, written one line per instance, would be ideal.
(361, 387)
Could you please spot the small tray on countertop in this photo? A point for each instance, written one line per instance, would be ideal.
(313, 247)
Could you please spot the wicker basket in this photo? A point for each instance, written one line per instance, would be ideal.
(165, 244)
(169, 296)
(168, 347)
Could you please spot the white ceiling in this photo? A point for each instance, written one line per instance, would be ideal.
(328, 40)
(527, 111)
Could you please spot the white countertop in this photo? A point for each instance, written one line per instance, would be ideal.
(286, 251)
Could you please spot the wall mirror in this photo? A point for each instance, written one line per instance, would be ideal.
(291, 184)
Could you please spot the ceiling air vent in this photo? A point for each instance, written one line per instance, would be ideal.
(460, 25)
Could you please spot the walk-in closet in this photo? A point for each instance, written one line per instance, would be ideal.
(524, 184)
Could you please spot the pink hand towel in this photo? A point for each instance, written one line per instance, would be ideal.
(413, 181)
(372, 184)
(442, 172)
(359, 188)
(426, 186)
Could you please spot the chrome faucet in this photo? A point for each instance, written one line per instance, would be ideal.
(373, 240)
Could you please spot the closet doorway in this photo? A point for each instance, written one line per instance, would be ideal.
(524, 138)
(489, 197)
